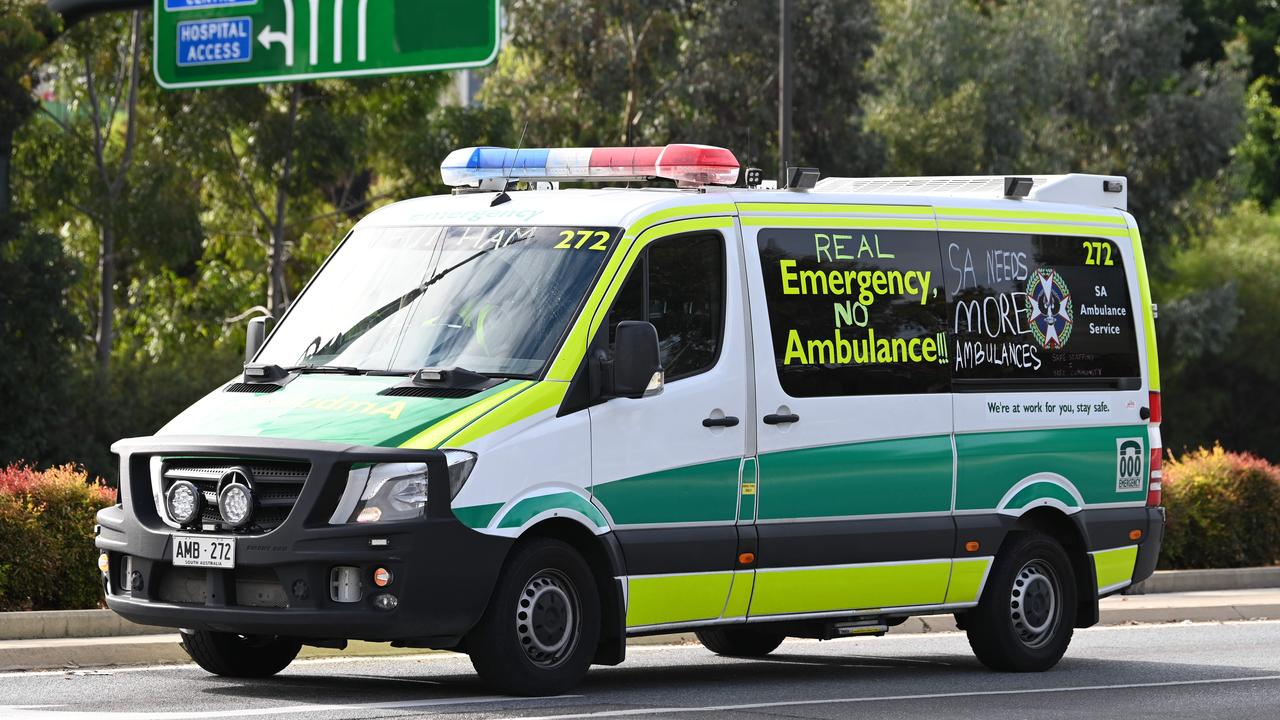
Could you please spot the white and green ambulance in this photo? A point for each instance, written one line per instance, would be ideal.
(529, 424)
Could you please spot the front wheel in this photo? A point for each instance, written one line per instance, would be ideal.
(241, 656)
(540, 631)
(1027, 613)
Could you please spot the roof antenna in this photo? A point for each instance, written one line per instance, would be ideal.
(502, 196)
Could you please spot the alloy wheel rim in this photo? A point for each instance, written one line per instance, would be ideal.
(548, 618)
(1034, 603)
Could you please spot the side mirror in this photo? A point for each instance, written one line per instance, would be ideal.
(637, 368)
(254, 336)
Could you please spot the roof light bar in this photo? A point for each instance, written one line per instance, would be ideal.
(686, 164)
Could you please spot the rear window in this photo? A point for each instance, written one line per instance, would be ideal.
(1038, 309)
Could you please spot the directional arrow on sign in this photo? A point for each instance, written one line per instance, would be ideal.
(268, 38)
(368, 39)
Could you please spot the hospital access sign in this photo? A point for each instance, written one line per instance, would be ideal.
(211, 43)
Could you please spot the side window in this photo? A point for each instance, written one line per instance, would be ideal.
(678, 284)
(855, 312)
(1029, 308)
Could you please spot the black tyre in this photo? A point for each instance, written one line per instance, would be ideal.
(242, 656)
(740, 641)
(1027, 613)
(540, 631)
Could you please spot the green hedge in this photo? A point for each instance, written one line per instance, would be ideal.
(47, 558)
(1223, 510)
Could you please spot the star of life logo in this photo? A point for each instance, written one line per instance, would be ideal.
(1049, 308)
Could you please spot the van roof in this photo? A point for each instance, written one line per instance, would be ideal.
(620, 206)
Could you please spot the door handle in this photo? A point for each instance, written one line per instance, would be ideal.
(776, 419)
(726, 421)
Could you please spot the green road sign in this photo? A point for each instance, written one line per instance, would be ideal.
(207, 43)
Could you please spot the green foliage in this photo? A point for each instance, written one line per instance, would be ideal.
(1259, 151)
(47, 558)
(1218, 296)
(1223, 511)
(689, 71)
(1217, 22)
(36, 330)
(1053, 86)
(26, 28)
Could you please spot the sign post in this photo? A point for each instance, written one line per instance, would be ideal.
(211, 43)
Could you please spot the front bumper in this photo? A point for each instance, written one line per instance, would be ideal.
(443, 572)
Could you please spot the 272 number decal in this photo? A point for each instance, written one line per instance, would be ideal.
(577, 239)
(1097, 253)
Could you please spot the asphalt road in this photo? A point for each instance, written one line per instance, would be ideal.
(1218, 670)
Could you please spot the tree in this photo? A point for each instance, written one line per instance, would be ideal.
(588, 73)
(1054, 86)
(1259, 151)
(27, 27)
(291, 165)
(37, 328)
(729, 90)
(99, 140)
(688, 71)
(1256, 25)
(1217, 297)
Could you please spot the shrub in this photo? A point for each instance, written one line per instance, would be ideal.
(47, 558)
(1223, 510)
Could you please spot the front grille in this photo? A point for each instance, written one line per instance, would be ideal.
(276, 487)
(428, 392)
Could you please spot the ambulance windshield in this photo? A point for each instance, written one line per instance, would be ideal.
(493, 300)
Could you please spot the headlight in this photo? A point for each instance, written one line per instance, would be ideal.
(396, 491)
(235, 503)
(183, 501)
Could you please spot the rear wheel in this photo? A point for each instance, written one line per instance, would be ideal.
(740, 641)
(541, 628)
(242, 656)
(1027, 613)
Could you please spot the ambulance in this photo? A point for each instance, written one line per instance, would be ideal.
(528, 423)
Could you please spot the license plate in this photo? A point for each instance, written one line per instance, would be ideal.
(206, 552)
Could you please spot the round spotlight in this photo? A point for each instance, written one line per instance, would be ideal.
(235, 502)
(382, 577)
(183, 500)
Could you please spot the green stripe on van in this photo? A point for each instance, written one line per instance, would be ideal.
(909, 475)
(528, 508)
(707, 492)
(477, 516)
(859, 587)
(1040, 491)
(1115, 566)
(989, 464)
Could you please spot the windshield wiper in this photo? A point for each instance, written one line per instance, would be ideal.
(330, 369)
(502, 375)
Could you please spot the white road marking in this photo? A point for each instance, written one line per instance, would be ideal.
(299, 663)
(17, 712)
(891, 698)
